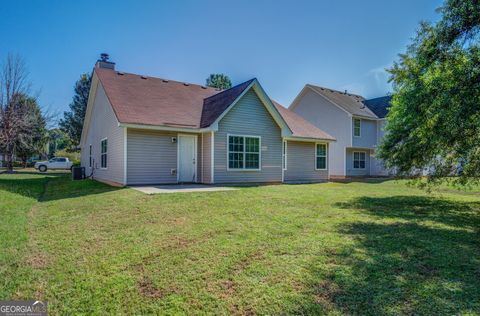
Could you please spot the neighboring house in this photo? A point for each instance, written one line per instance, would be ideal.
(357, 125)
(145, 130)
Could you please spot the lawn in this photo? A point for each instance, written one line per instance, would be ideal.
(379, 248)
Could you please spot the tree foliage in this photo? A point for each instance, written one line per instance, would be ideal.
(72, 122)
(219, 81)
(434, 120)
(32, 139)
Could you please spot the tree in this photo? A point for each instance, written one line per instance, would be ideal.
(33, 140)
(72, 122)
(434, 120)
(57, 140)
(15, 121)
(219, 81)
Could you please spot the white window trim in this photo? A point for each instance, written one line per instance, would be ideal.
(359, 129)
(284, 155)
(326, 156)
(105, 153)
(353, 159)
(244, 153)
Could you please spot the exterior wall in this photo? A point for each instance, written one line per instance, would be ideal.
(151, 156)
(368, 134)
(301, 163)
(249, 117)
(357, 172)
(206, 157)
(104, 124)
(331, 119)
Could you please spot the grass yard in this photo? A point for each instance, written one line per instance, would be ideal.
(378, 248)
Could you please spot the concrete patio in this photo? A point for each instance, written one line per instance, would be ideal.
(180, 188)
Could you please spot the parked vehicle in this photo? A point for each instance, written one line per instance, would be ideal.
(56, 163)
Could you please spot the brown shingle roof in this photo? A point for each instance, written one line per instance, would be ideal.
(154, 101)
(351, 103)
(299, 126)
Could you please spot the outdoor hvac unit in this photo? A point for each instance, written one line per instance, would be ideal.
(78, 173)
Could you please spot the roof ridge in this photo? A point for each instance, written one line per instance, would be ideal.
(159, 78)
(334, 90)
(235, 86)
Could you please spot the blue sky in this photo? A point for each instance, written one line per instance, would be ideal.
(285, 44)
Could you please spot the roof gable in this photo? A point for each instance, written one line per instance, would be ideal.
(215, 105)
(350, 103)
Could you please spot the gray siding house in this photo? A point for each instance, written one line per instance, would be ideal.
(356, 123)
(144, 130)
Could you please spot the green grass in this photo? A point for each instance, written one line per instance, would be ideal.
(373, 248)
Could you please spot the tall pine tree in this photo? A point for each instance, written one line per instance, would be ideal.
(72, 122)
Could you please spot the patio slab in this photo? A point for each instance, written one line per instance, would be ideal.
(180, 188)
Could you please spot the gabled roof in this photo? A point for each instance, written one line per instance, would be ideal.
(351, 103)
(153, 101)
(299, 126)
(215, 105)
(141, 100)
(379, 106)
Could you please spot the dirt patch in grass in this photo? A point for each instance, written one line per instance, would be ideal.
(326, 292)
(37, 260)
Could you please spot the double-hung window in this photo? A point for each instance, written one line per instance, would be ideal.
(359, 158)
(243, 152)
(321, 156)
(357, 127)
(104, 148)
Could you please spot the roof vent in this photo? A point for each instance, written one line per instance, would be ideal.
(186, 84)
(143, 77)
(120, 73)
(346, 91)
(203, 87)
(164, 80)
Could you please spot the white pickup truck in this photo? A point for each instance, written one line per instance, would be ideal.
(54, 163)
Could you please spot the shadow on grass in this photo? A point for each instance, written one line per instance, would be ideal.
(419, 255)
(50, 186)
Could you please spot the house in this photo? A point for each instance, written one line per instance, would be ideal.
(356, 123)
(146, 130)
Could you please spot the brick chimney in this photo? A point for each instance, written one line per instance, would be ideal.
(104, 62)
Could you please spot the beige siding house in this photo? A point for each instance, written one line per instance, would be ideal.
(143, 130)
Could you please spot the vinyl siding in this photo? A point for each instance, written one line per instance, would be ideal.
(104, 124)
(368, 134)
(249, 117)
(331, 119)
(301, 163)
(357, 172)
(206, 157)
(151, 156)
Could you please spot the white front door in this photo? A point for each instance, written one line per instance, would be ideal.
(187, 158)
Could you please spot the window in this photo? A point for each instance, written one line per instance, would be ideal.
(90, 156)
(104, 153)
(321, 156)
(359, 160)
(61, 159)
(357, 123)
(284, 155)
(243, 152)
